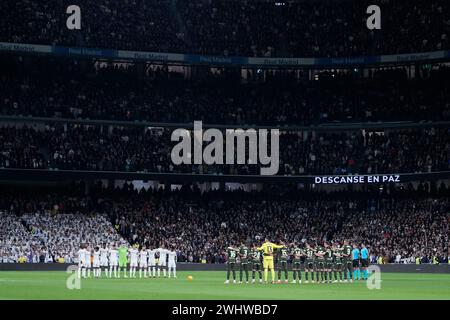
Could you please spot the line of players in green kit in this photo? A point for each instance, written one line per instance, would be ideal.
(318, 262)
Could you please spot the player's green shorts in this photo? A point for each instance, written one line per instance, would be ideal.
(347, 265)
(257, 266)
(122, 263)
(337, 266)
(320, 264)
(310, 264)
(329, 264)
(296, 265)
(282, 264)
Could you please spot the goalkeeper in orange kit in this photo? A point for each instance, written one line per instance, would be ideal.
(268, 249)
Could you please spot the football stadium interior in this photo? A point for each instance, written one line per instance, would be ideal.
(94, 206)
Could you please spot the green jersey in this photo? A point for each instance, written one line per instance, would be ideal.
(310, 254)
(297, 254)
(337, 252)
(256, 256)
(347, 251)
(321, 251)
(283, 254)
(244, 253)
(232, 255)
(329, 255)
(123, 254)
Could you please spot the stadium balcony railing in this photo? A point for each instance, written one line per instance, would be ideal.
(382, 125)
(181, 178)
(191, 59)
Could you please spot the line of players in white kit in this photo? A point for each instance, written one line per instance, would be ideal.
(120, 258)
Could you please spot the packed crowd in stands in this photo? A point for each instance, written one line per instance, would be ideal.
(49, 227)
(137, 149)
(249, 28)
(412, 228)
(71, 89)
(61, 234)
(132, 24)
(406, 222)
(59, 88)
(15, 240)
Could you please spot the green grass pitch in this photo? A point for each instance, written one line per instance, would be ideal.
(209, 285)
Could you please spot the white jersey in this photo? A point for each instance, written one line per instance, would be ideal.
(103, 257)
(143, 258)
(172, 256)
(82, 257)
(162, 256)
(96, 262)
(113, 257)
(88, 258)
(103, 254)
(151, 257)
(133, 256)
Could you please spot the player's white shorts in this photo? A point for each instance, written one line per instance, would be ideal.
(114, 263)
(143, 264)
(162, 263)
(96, 263)
(81, 264)
(104, 262)
(88, 264)
(151, 263)
(172, 264)
(133, 263)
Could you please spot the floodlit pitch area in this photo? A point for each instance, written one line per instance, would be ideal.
(209, 285)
